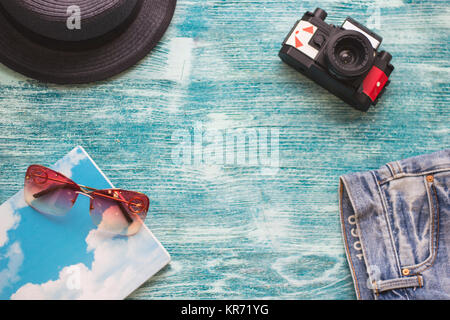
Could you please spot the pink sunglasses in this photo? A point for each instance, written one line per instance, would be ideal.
(114, 210)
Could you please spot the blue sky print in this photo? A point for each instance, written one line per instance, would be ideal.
(43, 257)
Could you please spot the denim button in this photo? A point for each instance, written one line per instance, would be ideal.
(405, 272)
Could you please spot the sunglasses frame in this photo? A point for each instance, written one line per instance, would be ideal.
(112, 193)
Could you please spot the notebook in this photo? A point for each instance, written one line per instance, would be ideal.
(42, 257)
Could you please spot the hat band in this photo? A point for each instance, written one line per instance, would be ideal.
(71, 23)
(80, 45)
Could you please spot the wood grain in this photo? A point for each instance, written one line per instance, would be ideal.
(233, 232)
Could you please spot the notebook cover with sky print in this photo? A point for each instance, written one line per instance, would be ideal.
(68, 258)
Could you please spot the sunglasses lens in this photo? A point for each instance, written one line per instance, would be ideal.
(49, 192)
(119, 211)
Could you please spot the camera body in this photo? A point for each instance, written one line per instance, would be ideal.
(344, 60)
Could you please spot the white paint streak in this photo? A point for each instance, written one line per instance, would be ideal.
(178, 69)
(272, 224)
(286, 266)
(179, 61)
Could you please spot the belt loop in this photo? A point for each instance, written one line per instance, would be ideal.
(391, 169)
(392, 284)
(400, 171)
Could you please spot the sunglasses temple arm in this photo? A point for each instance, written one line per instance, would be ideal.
(125, 212)
(53, 189)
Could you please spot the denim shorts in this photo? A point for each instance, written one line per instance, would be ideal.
(396, 227)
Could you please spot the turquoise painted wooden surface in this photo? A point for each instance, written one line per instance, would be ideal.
(232, 231)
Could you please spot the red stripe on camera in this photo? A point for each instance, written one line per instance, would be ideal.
(374, 83)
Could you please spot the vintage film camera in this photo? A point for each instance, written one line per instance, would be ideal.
(344, 60)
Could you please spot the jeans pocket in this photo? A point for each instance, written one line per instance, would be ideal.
(412, 205)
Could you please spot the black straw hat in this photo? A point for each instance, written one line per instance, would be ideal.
(79, 41)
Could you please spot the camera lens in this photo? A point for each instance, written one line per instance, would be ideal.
(349, 54)
(346, 56)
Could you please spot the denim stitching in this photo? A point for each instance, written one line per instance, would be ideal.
(391, 237)
(413, 175)
(392, 169)
(420, 281)
(341, 193)
(387, 285)
(389, 229)
(431, 232)
(359, 229)
(399, 281)
(363, 248)
(376, 287)
(433, 236)
(436, 234)
(361, 242)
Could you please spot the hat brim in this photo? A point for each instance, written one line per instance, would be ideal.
(38, 61)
